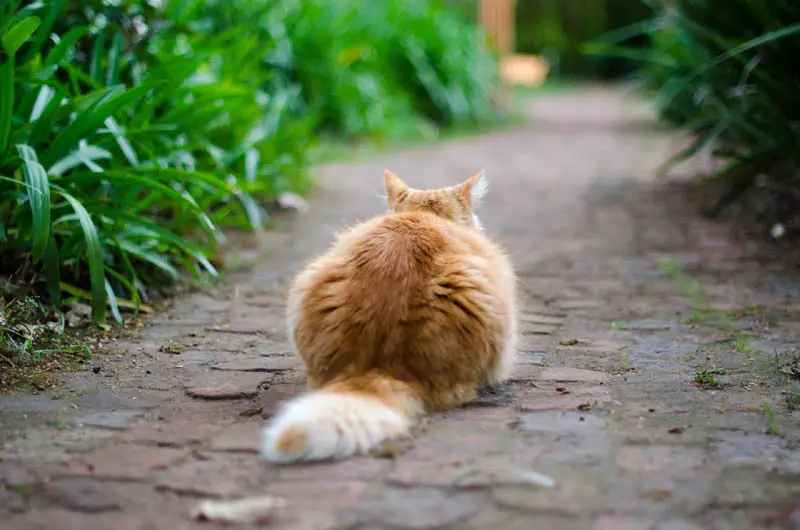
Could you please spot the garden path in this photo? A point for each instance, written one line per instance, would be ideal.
(605, 400)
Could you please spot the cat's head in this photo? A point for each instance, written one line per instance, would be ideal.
(454, 203)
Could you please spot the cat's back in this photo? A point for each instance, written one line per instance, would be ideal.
(404, 245)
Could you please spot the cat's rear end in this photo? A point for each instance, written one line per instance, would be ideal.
(408, 312)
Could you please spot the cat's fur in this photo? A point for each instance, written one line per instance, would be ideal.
(408, 312)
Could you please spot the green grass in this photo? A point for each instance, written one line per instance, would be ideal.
(707, 379)
(702, 313)
(793, 401)
(772, 425)
(133, 138)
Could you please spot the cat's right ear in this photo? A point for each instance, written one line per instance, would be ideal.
(396, 189)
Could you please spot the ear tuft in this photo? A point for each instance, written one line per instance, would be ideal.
(395, 187)
(479, 188)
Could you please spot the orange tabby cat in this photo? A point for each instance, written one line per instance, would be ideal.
(408, 312)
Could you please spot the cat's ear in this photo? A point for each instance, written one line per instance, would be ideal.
(395, 188)
(475, 188)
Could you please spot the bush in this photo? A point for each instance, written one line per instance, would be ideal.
(728, 71)
(132, 132)
(560, 28)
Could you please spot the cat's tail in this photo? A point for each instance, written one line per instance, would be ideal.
(347, 418)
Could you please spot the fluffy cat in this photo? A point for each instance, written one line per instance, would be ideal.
(407, 313)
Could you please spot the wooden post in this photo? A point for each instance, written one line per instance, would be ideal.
(496, 17)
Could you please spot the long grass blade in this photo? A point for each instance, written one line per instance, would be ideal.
(15, 37)
(52, 271)
(94, 256)
(38, 186)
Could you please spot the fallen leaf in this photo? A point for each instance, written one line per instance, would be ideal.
(249, 510)
(660, 495)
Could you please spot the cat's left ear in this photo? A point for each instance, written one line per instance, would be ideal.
(475, 188)
(395, 188)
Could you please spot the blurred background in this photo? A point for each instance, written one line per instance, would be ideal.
(134, 132)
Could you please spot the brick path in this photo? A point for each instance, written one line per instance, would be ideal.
(604, 400)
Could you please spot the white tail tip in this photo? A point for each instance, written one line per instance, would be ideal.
(324, 425)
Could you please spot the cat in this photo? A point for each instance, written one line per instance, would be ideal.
(408, 313)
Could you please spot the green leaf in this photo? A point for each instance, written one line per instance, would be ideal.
(52, 271)
(6, 102)
(112, 73)
(129, 286)
(150, 257)
(54, 10)
(112, 303)
(94, 256)
(107, 104)
(124, 144)
(65, 45)
(675, 87)
(15, 37)
(39, 199)
(43, 98)
(97, 55)
(85, 154)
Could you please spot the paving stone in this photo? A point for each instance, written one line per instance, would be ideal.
(525, 372)
(111, 419)
(125, 461)
(199, 357)
(239, 437)
(580, 493)
(251, 325)
(17, 474)
(537, 329)
(615, 522)
(498, 519)
(365, 468)
(436, 470)
(594, 346)
(649, 325)
(215, 475)
(27, 403)
(743, 449)
(491, 471)
(564, 374)
(83, 494)
(49, 519)
(677, 524)
(660, 458)
(174, 433)
(566, 422)
(542, 319)
(583, 398)
(417, 508)
(259, 364)
(533, 341)
(532, 357)
(580, 304)
(226, 386)
(11, 501)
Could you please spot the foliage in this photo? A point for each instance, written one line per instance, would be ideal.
(727, 70)
(133, 131)
(559, 29)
